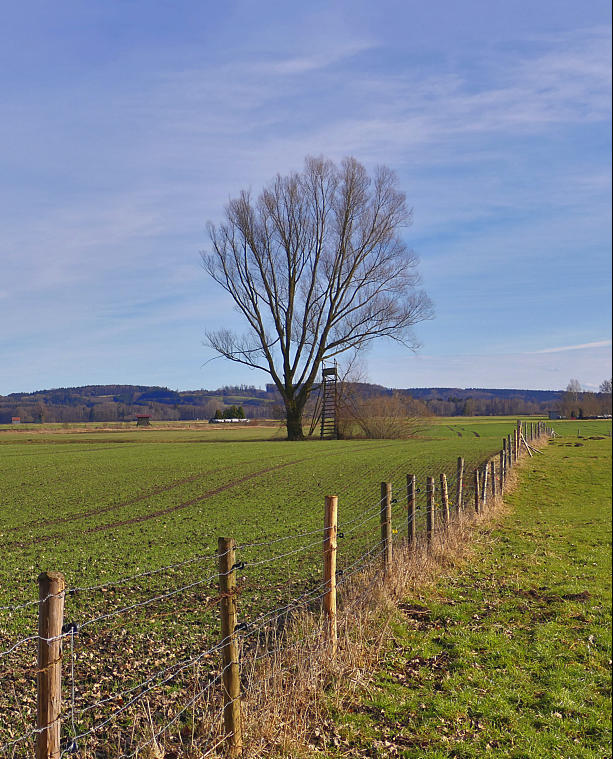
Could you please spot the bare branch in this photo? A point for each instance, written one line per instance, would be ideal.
(317, 267)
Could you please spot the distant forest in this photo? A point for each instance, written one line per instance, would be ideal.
(112, 403)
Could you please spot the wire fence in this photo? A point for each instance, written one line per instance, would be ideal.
(141, 656)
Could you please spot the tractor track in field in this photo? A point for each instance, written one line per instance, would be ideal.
(153, 514)
(113, 507)
(192, 501)
(149, 494)
(55, 453)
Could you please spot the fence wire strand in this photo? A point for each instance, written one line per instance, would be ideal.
(267, 621)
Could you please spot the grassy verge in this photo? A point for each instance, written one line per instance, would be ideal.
(510, 656)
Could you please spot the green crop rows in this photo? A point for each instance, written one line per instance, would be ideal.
(100, 505)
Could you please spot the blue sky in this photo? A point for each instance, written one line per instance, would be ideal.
(126, 126)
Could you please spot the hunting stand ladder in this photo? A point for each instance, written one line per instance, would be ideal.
(329, 429)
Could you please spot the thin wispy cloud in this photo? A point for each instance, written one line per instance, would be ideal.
(297, 65)
(506, 370)
(596, 344)
(114, 161)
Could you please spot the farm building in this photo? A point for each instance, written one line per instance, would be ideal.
(15, 420)
(143, 420)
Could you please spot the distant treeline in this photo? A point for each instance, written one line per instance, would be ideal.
(112, 403)
(118, 403)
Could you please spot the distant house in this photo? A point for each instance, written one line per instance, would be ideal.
(555, 415)
(143, 420)
(15, 420)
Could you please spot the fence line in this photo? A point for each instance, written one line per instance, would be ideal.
(428, 497)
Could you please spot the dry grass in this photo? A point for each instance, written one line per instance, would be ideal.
(291, 685)
(294, 688)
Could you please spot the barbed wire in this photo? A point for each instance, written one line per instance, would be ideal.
(161, 597)
(17, 644)
(178, 666)
(243, 546)
(293, 552)
(372, 515)
(122, 581)
(164, 596)
(130, 703)
(89, 588)
(30, 734)
(171, 722)
(78, 736)
(153, 681)
(310, 596)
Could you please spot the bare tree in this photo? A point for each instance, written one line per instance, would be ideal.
(380, 416)
(605, 386)
(316, 267)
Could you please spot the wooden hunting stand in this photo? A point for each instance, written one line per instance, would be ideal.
(329, 430)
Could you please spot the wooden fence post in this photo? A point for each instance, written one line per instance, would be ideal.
(386, 526)
(445, 500)
(502, 472)
(510, 451)
(330, 543)
(477, 498)
(517, 446)
(51, 587)
(518, 433)
(411, 499)
(493, 478)
(231, 675)
(484, 486)
(429, 508)
(459, 486)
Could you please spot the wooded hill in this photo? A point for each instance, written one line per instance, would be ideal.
(108, 403)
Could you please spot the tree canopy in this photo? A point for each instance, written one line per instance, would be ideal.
(316, 267)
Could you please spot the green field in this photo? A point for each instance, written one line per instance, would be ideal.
(101, 504)
(511, 655)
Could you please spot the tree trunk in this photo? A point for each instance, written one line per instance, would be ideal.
(293, 411)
